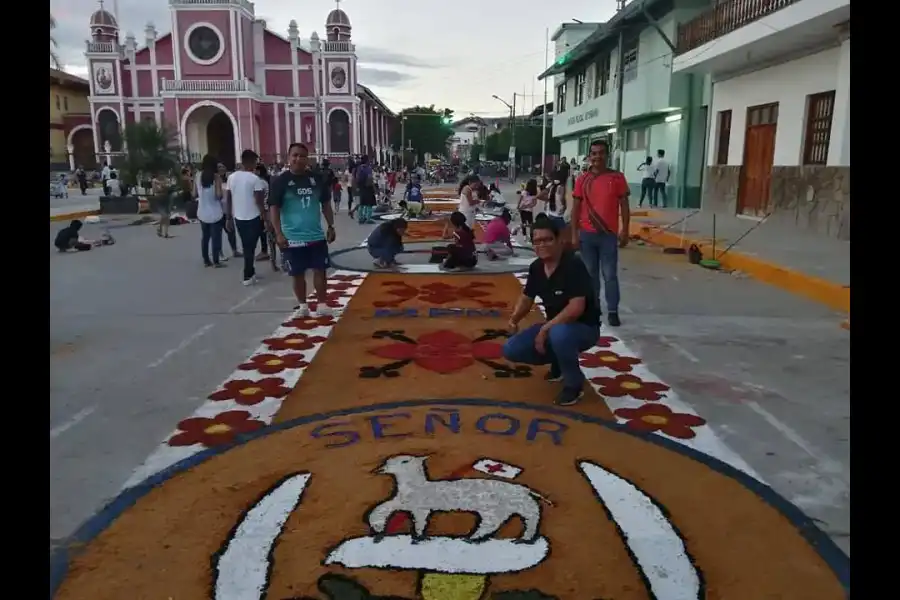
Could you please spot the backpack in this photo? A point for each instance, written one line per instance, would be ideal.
(415, 194)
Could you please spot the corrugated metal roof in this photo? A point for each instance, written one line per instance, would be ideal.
(62, 78)
(602, 33)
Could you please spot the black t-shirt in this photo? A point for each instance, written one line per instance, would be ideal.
(569, 280)
(65, 237)
(564, 172)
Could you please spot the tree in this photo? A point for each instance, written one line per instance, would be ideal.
(427, 129)
(528, 143)
(150, 150)
(54, 57)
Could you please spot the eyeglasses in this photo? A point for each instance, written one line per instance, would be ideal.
(543, 241)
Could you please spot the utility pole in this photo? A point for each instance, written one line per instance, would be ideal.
(544, 122)
(512, 141)
(620, 92)
(402, 141)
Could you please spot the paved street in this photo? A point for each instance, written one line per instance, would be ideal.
(141, 333)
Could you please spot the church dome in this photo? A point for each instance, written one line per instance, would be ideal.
(103, 18)
(337, 17)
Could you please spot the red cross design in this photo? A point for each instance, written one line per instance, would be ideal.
(494, 468)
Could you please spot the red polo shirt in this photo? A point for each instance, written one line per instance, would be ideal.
(602, 193)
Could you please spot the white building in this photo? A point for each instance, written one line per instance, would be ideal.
(778, 133)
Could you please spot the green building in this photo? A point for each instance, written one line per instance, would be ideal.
(660, 110)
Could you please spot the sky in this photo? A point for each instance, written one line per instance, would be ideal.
(454, 54)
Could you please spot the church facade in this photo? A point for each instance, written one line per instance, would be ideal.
(225, 83)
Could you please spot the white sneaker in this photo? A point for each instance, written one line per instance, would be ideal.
(249, 282)
(302, 310)
(322, 310)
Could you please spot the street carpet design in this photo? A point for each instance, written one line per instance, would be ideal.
(410, 461)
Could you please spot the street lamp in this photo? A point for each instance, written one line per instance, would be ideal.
(402, 141)
(512, 134)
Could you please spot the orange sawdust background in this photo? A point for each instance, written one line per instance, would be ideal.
(333, 380)
(161, 547)
(421, 231)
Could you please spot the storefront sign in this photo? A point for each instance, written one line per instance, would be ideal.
(585, 116)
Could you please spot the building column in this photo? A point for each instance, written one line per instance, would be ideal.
(839, 150)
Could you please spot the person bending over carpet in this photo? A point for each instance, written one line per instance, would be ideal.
(68, 238)
(562, 281)
(461, 251)
(386, 242)
(497, 237)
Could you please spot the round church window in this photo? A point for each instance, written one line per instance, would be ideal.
(204, 44)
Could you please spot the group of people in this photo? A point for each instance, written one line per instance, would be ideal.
(569, 283)
(282, 214)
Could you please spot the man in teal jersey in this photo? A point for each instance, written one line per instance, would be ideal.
(298, 199)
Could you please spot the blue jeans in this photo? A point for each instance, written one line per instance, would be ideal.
(564, 343)
(386, 254)
(600, 253)
(211, 234)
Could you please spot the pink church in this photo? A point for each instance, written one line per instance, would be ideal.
(225, 82)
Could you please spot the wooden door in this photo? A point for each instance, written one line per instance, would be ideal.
(759, 155)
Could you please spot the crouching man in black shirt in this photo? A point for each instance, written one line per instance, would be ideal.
(562, 282)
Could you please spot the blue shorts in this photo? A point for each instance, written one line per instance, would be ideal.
(312, 257)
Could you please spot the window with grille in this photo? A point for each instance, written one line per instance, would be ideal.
(560, 105)
(57, 103)
(764, 114)
(601, 81)
(724, 137)
(65, 103)
(819, 113)
(630, 61)
(580, 80)
(636, 139)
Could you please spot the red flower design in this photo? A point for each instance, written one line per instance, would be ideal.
(307, 323)
(605, 341)
(294, 341)
(629, 385)
(609, 360)
(440, 293)
(441, 351)
(350, 277)
(341, 286)
(648, 418)
(248, 392)
(270, 364)
(220, 429)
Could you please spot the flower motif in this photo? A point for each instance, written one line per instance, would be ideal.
(441, 351)
(440, 293)
(342, 286)
(648, 418)
(214, 431)
(307, 323)
(609, 360)
(294, 341)
(605, 341)
(270, 364)
(629, 385)
(248, 392)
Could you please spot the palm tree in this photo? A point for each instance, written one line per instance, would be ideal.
(150, 150)
(54, 58)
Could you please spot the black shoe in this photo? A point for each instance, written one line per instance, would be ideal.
(553, 375)
(569, 396)
(613, 319)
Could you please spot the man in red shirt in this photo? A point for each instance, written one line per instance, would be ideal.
(600, 199)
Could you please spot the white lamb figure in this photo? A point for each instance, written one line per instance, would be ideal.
(493, 501)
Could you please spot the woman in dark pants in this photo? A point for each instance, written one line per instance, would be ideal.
(231, 234)
(209, 211)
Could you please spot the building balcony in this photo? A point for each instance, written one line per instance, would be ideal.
(245, 4)
(339, 47)
(736, 34)
(209, 86)
(104, 48)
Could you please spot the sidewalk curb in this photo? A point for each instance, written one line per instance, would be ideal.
(821, 290)
(73, 215)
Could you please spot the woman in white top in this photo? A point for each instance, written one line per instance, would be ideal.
(528, 199)
(468, 198)
(208, 191)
